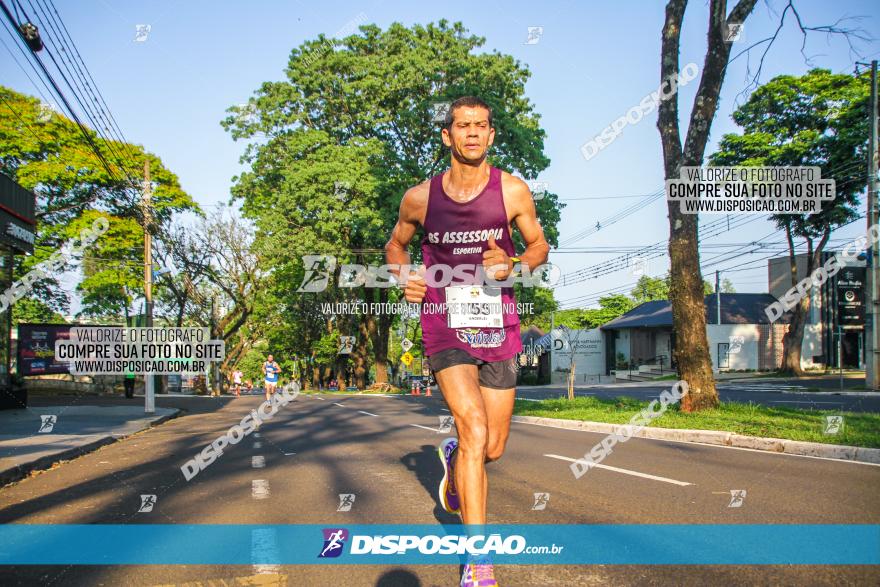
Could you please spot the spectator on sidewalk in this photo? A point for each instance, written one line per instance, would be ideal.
(128, 383)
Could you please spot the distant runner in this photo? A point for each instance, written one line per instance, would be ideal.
(236, 381)
(466, 214)
(271, 369)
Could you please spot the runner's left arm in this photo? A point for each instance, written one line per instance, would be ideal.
(518, 200)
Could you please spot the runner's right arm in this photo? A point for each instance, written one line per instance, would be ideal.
(413, 207)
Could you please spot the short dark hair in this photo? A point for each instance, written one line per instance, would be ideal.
(465, 101)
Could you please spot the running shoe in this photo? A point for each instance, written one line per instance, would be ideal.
(478, 573)
(448, 494)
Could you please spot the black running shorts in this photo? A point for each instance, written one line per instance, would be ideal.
(495, 374)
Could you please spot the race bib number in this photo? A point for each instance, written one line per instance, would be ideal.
(474, 306)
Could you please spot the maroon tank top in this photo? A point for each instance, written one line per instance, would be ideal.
(456, 234)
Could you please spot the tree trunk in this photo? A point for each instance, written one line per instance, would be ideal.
(689, 313)
(366, 329)
(793, 340)
(686, 281)
(380, 333)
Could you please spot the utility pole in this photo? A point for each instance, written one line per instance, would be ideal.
(214, 379)
(718, 295)
(149, 380)
(872, 330)
(552, 346)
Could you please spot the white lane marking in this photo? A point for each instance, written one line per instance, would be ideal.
(258, 444)
(256, 434)
(425, 427)
(320, 398)
(444, 409)
(258, 462)
(528, 399)
(264, 548)
(287, 454)
(338, 404)
(626, 471)
(259, 489)
(368, 413)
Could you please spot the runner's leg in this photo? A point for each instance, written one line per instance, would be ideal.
(499, 409)
(460, 386)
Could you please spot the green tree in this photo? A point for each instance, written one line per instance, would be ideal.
(817, 119)
(543, 305)
(334, 146)
(610, 307)
(650, 288)
(46, 153)
(35, 312)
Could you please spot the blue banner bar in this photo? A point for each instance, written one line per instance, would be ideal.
(197, 544)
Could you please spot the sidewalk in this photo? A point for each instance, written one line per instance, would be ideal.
(74, 430)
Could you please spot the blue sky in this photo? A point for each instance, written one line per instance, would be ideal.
(593, 62)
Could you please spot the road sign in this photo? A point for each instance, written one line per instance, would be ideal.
(406, 359)
(406, 345)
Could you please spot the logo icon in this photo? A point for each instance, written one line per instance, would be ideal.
(346, 500)
(246, 113)
(346, 345)
(736, 344)
(147, 503)
(47, 423)
(638, 266)
(46, 112)
(535, 33)
(439, 111)
(141, 32)
(334, 540)
(734, 32)
(541, 500)
(341, 189)
(737, 497)
(538, 189)
(446, 423)
(833, 424)
(317, 274)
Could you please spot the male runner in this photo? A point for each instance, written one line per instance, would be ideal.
(236, 381)
(271, 369)
(466, 214)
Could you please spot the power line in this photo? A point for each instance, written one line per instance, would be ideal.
(61, 95)
(649, 199)
(99, 102)
(21, 67)
(75, 90)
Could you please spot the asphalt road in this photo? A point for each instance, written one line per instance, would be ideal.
(382, 449)
(776, 393)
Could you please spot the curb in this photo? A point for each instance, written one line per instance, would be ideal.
(19, 472)
(777, 445)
